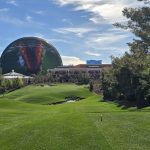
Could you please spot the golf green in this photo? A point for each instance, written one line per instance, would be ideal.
(29, 122)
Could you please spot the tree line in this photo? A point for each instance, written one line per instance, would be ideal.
(129, 77)
(7, 85)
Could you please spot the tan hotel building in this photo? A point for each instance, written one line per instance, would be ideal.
(92, 71)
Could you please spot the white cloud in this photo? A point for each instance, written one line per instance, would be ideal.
(11, 20)
(4, 9)
(39, 12)
(26, 22)
(12, 2)
(108, 43)
(67, 21)
(92, 53)
(77, 31)
(58, 40)
(38, 35)
(65, 2)
(70, 60)
(96, 19)
(103, 39)
(109, 10)
(28, 18)
(49, 40)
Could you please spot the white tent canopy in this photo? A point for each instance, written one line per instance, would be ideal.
(14, 75)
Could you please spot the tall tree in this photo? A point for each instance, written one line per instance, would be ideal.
(130, 74)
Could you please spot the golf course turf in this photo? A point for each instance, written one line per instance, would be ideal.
(29, 122)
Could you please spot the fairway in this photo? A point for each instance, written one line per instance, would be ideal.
(29, 122)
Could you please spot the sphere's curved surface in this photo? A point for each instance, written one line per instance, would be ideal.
(30, 55)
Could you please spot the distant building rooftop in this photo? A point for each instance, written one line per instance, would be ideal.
(86, 66)
(14, 75)
(92, 66)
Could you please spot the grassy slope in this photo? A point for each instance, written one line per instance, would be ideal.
(70, 126)
(48, 94)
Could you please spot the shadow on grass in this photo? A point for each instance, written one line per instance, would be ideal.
(124, 104)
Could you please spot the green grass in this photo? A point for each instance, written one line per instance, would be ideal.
(48, 94)
(25, 124)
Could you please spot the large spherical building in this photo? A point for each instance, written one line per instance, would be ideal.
(30, 55)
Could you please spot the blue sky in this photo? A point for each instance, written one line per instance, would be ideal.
(79, 29)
